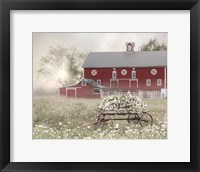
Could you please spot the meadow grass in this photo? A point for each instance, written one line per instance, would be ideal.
(56, 117)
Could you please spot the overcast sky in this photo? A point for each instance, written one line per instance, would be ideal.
(87, 42)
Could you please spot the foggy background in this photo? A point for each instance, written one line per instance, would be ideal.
(83, 42)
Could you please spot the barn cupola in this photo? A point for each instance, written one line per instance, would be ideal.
(130, 46)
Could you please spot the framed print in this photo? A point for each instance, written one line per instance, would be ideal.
(112, 89)
(101, 86)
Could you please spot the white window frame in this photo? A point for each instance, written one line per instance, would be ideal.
(148, 82)
(98, 81)
(159, 82)
(133, 72)
(85, 83)
(67, 89)
(114, 72)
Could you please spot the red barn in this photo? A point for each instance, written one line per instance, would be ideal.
(140, 73)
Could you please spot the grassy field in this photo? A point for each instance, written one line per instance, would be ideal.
(56, 117)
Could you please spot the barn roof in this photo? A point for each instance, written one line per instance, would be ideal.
(90, 82)
(126, 59)
(93, 83)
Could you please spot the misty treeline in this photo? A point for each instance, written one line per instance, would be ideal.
(153, 45)
(62, 65)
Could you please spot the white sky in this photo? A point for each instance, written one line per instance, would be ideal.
(87, 42)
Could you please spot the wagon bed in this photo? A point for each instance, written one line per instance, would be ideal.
(144, 118)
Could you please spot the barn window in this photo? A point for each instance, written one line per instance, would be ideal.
(98, 82)
(133, 74)
(96, 91)
(114, 74)
(84, 83)
(159, 82)
(148, 82)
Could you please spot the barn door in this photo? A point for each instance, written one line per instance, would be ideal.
(133, 84)
(71, 93)
(113, 84)
(123, 84)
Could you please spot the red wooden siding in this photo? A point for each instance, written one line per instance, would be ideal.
(123, 84)
(113, 84)
(86, 92)
(81, 91)
(133, 84)
(142, 74)
(71, 93)
(62, 91)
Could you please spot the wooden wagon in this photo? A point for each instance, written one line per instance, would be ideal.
(143, 118)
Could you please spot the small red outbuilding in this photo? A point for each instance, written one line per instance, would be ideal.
(86, 88)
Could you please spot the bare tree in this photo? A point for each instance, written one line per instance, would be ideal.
(62, 65)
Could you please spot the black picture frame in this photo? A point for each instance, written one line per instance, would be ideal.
(7, 5)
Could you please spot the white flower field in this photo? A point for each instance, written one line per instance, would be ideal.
(56, 117)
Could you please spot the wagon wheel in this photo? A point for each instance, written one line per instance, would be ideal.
(100, 120)
(133, 118)
(146, 119)
(109, 122)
